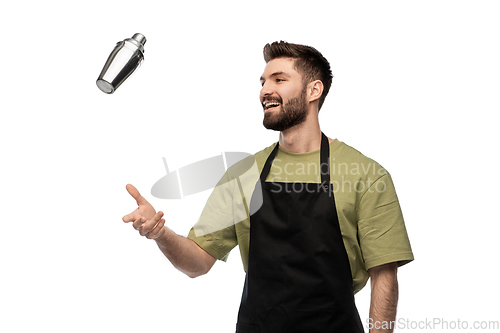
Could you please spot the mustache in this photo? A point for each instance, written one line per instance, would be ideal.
(272, 99)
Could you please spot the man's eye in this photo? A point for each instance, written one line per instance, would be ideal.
(279, 80)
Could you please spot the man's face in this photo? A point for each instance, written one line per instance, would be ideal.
(283, 95)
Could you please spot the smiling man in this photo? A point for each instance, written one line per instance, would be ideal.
(278, 116)
(326, 221)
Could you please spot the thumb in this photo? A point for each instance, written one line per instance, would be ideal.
(135, 194)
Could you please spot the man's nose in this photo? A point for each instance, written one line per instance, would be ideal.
(266, 90)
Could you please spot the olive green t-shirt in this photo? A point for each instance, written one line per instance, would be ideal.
(368, 210)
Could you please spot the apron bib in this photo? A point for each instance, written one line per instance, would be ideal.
(298, 274)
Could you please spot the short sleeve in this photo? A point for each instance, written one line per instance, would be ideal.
(215, 232)
(382, 233)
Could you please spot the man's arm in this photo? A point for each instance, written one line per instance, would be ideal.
(384, 298)
(182, 252)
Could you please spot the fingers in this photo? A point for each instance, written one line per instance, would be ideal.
(135, 194)
(138, 223)
(150, 228)
(157, 230)
(130, 217)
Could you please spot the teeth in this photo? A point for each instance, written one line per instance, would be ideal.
(271, 104)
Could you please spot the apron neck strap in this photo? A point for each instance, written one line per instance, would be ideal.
(324, 166)
(267, 166)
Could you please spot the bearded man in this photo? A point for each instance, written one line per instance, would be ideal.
(311, 232)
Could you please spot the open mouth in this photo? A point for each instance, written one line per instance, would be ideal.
(269, 105)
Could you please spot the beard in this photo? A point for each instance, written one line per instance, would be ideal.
(290, 114)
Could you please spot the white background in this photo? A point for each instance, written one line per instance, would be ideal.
(416, 87)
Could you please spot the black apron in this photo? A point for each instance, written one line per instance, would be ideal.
(298, 274)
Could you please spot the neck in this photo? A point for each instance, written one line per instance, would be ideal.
(304, 137)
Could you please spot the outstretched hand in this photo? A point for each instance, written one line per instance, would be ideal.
(145, 219)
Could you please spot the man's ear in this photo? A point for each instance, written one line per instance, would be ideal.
(315, 90)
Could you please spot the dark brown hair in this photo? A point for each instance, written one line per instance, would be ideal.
(309, 62)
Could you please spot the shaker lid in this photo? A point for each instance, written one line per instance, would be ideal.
(138, 40)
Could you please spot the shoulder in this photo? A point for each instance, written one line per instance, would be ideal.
(350, 160)
(249, 161)
(262, 155)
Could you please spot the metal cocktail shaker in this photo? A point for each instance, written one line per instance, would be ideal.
(122, 62)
